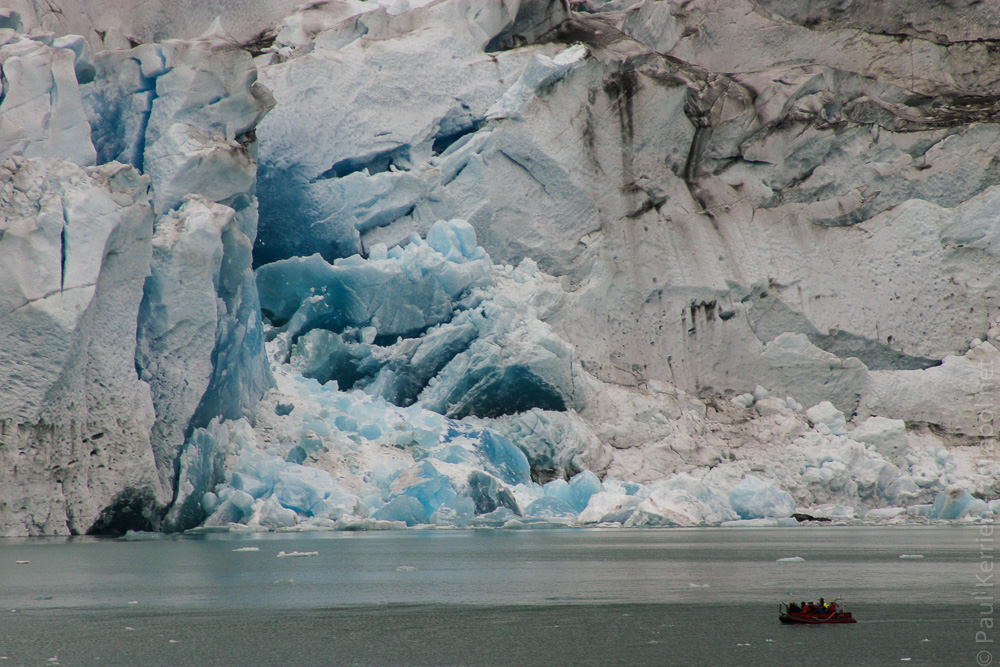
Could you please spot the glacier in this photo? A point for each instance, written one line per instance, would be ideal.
(360, 265)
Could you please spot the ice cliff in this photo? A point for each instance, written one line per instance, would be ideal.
(362, 264)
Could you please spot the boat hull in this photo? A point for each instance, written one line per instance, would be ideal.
(792, 618)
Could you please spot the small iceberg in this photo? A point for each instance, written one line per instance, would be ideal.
(791, 559)
(242, 549)
(143, 536)
(296, 554)
(911, 556)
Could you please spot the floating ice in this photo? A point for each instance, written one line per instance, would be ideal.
(753, 523)
(142, 536)
(885, 512)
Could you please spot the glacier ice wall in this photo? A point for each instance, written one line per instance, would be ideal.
(109, 24)
(75, 418)
(672, 249)
(720, 221)
(132, 314)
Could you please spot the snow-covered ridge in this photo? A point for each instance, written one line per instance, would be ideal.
(518, 263)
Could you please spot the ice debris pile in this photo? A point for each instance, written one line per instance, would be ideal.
(424, 323)
(356, 434)
(351, 461)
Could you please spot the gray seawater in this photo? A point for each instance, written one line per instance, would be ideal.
(490, 597)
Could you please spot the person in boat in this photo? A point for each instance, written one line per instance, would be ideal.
(794, 608)
(822, 605)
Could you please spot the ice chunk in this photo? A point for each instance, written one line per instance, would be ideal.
(583, 486)
(550, 508)
(887, 436)
(793, 365)
(209, 502)
(560, 490)
(399, 296)
(457, 512)
(272, 515)
(487, 493)
(300, 488)
(248, 483)
(682, 501)
(134, 536)
(455, 240)
(495, 519)
(517, 364)
(884, 512)
(424, 483)
(406, 509)
(754, 498)
(956, 503)
(609, 507)
(496, 454)
(227, 512)
(920, 510)
(557, 444)
(751, 523)
(826, 414)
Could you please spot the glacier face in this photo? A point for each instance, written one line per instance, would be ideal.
(517, 263)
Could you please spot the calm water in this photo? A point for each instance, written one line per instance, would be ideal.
(547, 597)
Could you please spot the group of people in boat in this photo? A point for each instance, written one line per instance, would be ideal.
(812, 608)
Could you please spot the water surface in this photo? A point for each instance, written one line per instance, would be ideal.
(492, 597)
